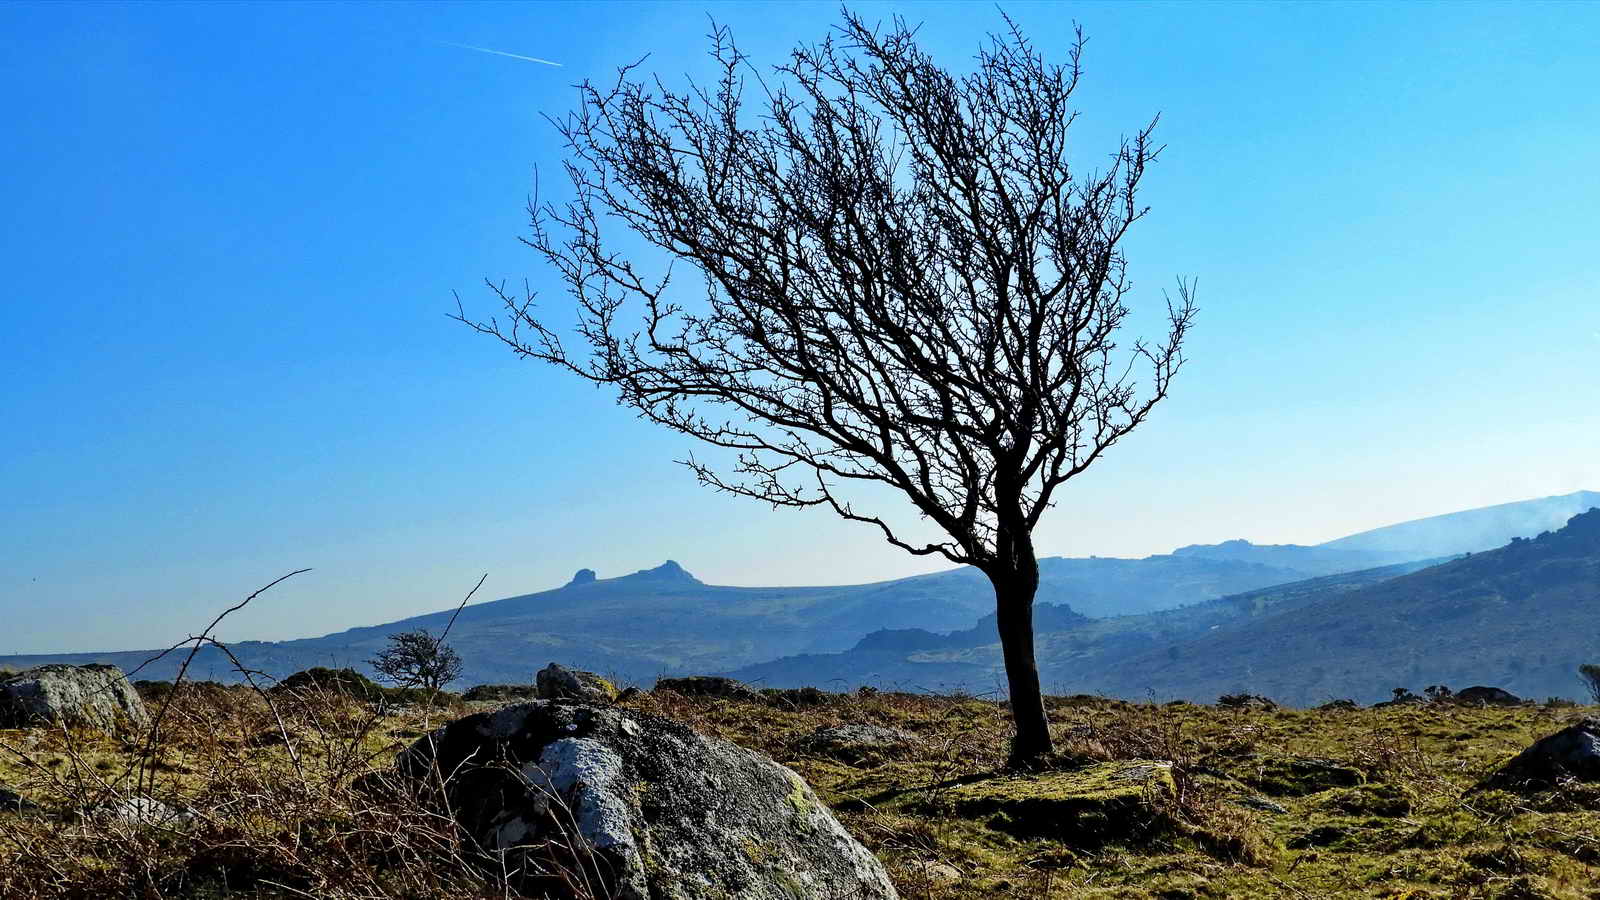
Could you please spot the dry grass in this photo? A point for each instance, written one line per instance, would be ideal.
(243, 794)
(285, 795)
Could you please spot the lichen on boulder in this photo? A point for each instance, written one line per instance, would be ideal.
(97, 696)
(557, 682)
(659, 810)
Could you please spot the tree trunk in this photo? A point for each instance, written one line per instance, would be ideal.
(1016, 581)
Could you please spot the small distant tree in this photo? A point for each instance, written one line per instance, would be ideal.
(1590, 674)
(417, 659)
(903, 281)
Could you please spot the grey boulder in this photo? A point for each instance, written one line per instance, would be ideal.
(557, 682)
(1573, 753)
(665, 812)
(98, 696)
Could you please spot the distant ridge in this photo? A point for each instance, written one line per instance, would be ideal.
(1471, 530)
(1521, 617)
(664, 620)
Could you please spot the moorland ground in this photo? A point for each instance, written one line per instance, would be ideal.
(268, 799)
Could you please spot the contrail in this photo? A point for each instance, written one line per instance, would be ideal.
(533, 59)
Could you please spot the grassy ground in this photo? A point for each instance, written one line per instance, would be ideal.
(1142, 801)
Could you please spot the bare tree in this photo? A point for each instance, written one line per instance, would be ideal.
(417, 659)
(904, 282)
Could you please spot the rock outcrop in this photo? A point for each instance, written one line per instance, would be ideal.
(856, 742)
(500, 692)
(1573, 753)
(557, 682)
(664, 811)
(98, 696)
(709, 686)
(1478, 695)
(1246, 701)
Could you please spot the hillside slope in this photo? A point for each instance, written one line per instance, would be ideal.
(1471, 530)
(1520, 617)
(1073, 650)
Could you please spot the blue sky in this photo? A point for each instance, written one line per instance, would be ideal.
(233, 232)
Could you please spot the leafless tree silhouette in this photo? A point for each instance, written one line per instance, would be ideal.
(904, 282)
(417, 659)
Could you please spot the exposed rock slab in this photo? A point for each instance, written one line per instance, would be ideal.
(1091, 806)
(669, 813)
(98, 696)
(856, 741)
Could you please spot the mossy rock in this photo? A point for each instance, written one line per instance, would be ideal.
(1297, 776)
(500, 692)
(1385, 800)
(1320, 836)
(1098, 804)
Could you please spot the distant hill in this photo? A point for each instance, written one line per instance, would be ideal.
(1469, 531)
(1521, 617)
(1073, 650)
(1308, 561)
(665, 621)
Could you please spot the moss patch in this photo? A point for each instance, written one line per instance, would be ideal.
(1088, 807)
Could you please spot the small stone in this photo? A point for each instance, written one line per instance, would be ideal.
(140, 810)
(855, 742)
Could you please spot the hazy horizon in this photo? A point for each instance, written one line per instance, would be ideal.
(228, 357)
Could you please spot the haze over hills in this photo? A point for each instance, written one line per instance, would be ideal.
(1522, 617)
(1073, 650)
(931, 631)
(1471, 530)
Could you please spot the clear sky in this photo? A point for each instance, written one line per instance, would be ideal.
(232, 232)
